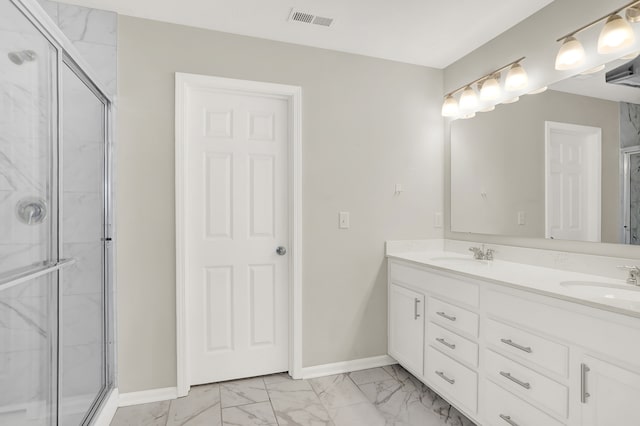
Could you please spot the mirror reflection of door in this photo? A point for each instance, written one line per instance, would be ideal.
(573, 182)
(631, 158)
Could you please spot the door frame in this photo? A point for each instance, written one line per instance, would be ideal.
(596, 164)
(625, 177)
(293, 94)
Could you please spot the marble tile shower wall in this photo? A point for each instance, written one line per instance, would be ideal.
(25, 151)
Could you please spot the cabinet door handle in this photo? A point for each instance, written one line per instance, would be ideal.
(508, 420)
(514, 380)
(510, 342)
(442, 375)
(445, 316)
(584, 369)
(447, 344)
(416, 314)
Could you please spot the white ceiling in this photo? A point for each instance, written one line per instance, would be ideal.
(425, 32)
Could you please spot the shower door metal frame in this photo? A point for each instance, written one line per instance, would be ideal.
(625, 160)
(67, 55)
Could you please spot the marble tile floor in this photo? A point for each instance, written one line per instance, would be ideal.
(387, 396)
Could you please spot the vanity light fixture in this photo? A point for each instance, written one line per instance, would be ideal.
(488, 109)
(468, 116)
(538, 91)
(571, 54)
(630, 56)
(450, 107)
(489, 87)
(511, 101)
(617, 34)
(468, 99)
(517, 78)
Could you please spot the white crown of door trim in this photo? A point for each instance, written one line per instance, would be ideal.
(294, 96)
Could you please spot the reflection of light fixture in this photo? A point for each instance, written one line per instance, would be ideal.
(490, 89)
(571, 54)
(511, 101)
(633, 14)
(488, 109)
(630, 56)
(450, 107)
(538, 91)
(468, 99)
(617, 34)
(594, 70)
(517, 78)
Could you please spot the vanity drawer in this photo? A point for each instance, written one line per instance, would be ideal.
(452, 316)
(454, 288)
(532, 386)
(450, 343)
(502, 406)
(452, 379)
(514, 341)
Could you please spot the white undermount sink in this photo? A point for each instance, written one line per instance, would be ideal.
(606, 291)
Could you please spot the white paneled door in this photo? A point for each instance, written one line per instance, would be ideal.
(573, 185)
(237, 268)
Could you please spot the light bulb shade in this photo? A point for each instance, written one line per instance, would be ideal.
(490, 89)
(488, 108)
(630, 56)
(468, 99)
(571, 55)
(450, 107)
(511, 101)
(617, 34)
(468, 116)
(538, 91)
(633, 14)
(517, 78)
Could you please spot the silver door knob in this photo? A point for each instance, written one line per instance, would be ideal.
(281, 251)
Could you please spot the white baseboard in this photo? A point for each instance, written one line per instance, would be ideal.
(144, 397)
(347, 366)
(108, 410)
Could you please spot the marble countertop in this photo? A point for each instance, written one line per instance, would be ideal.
(592, 290)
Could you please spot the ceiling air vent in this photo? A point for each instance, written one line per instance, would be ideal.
(310, 18)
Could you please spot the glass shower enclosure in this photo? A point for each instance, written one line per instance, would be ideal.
(56, 321)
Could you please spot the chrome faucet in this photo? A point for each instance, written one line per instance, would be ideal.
(481, 253)
(634, 274)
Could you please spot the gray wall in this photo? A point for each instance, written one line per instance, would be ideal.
(502, 152)
(534, 38)
(367, 124)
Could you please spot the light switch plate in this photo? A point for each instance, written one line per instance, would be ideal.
(437, 220)
(522, 218)
(343, 218)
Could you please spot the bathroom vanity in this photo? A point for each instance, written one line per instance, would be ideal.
(515, 344)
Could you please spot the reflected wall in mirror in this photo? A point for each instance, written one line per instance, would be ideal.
(564, 164)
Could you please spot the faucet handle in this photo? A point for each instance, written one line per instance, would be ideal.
(630, 268)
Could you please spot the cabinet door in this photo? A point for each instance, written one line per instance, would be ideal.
(406, 327)
(610, 394)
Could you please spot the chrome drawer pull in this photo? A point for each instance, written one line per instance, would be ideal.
(508, 420)
(443, 315)
(584, 369)
(441, 374)
(447, 344)
(416, 315)
(514, 380)
(510, 342)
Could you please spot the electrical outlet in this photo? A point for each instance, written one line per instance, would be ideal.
(522, 218)
(437, 220)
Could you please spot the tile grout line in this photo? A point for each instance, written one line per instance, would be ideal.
(275, 416)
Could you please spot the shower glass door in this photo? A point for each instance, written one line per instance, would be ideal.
(632, 166)
(28, 223)
(54, 327)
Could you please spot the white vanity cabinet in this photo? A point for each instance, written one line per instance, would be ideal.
(610, 395)
(509, 357)
(406, 327)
